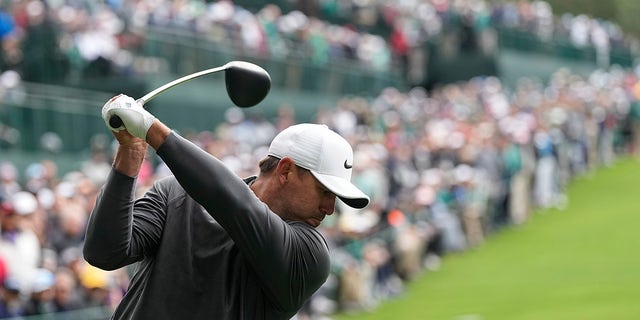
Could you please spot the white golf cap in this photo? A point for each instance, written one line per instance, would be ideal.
(326, 154)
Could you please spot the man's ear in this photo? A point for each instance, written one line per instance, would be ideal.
(285, 167)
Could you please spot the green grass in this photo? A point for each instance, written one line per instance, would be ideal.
(579, 263)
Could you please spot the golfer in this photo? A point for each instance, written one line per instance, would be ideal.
(209, 244)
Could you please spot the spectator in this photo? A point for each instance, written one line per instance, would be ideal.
(66, 291)
(96, 166)
(8, 180)
(42, 294)
(96, 285)
(11, 304)
(43, 60)
(18, 244)
(68, 228)
(545, 182)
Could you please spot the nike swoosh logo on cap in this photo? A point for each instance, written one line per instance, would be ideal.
(347, 166)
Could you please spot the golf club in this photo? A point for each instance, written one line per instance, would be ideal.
(247, 84)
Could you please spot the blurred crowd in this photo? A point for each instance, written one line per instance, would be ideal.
(449, 168)
(42, 222)
(50, 40)
(444, 169)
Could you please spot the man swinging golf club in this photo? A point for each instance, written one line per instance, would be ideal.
(211, 245)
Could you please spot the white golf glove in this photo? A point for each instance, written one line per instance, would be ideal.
(135, 119)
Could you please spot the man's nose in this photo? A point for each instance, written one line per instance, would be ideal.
(328, 204)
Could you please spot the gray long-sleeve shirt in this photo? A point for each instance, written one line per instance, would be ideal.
(214, 251)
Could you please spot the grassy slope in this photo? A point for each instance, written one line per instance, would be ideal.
(579, 263)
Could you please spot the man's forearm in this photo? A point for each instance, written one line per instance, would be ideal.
(108, 236)
(130, 155)
(157, 134)
(128, 159)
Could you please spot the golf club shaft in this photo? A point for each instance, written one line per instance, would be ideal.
(116, 122)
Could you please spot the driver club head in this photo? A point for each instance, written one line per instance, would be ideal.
(247, 84)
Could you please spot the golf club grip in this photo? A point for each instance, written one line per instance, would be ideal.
(115, 122)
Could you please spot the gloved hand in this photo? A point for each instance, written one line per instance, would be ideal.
(135, 119)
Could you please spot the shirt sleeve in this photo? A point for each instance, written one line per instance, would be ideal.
(290, 258)
(122, 230)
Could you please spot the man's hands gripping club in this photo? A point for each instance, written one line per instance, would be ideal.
(136, 133)
(135, 119)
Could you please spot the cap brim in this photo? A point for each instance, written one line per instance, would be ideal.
(343, 189)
